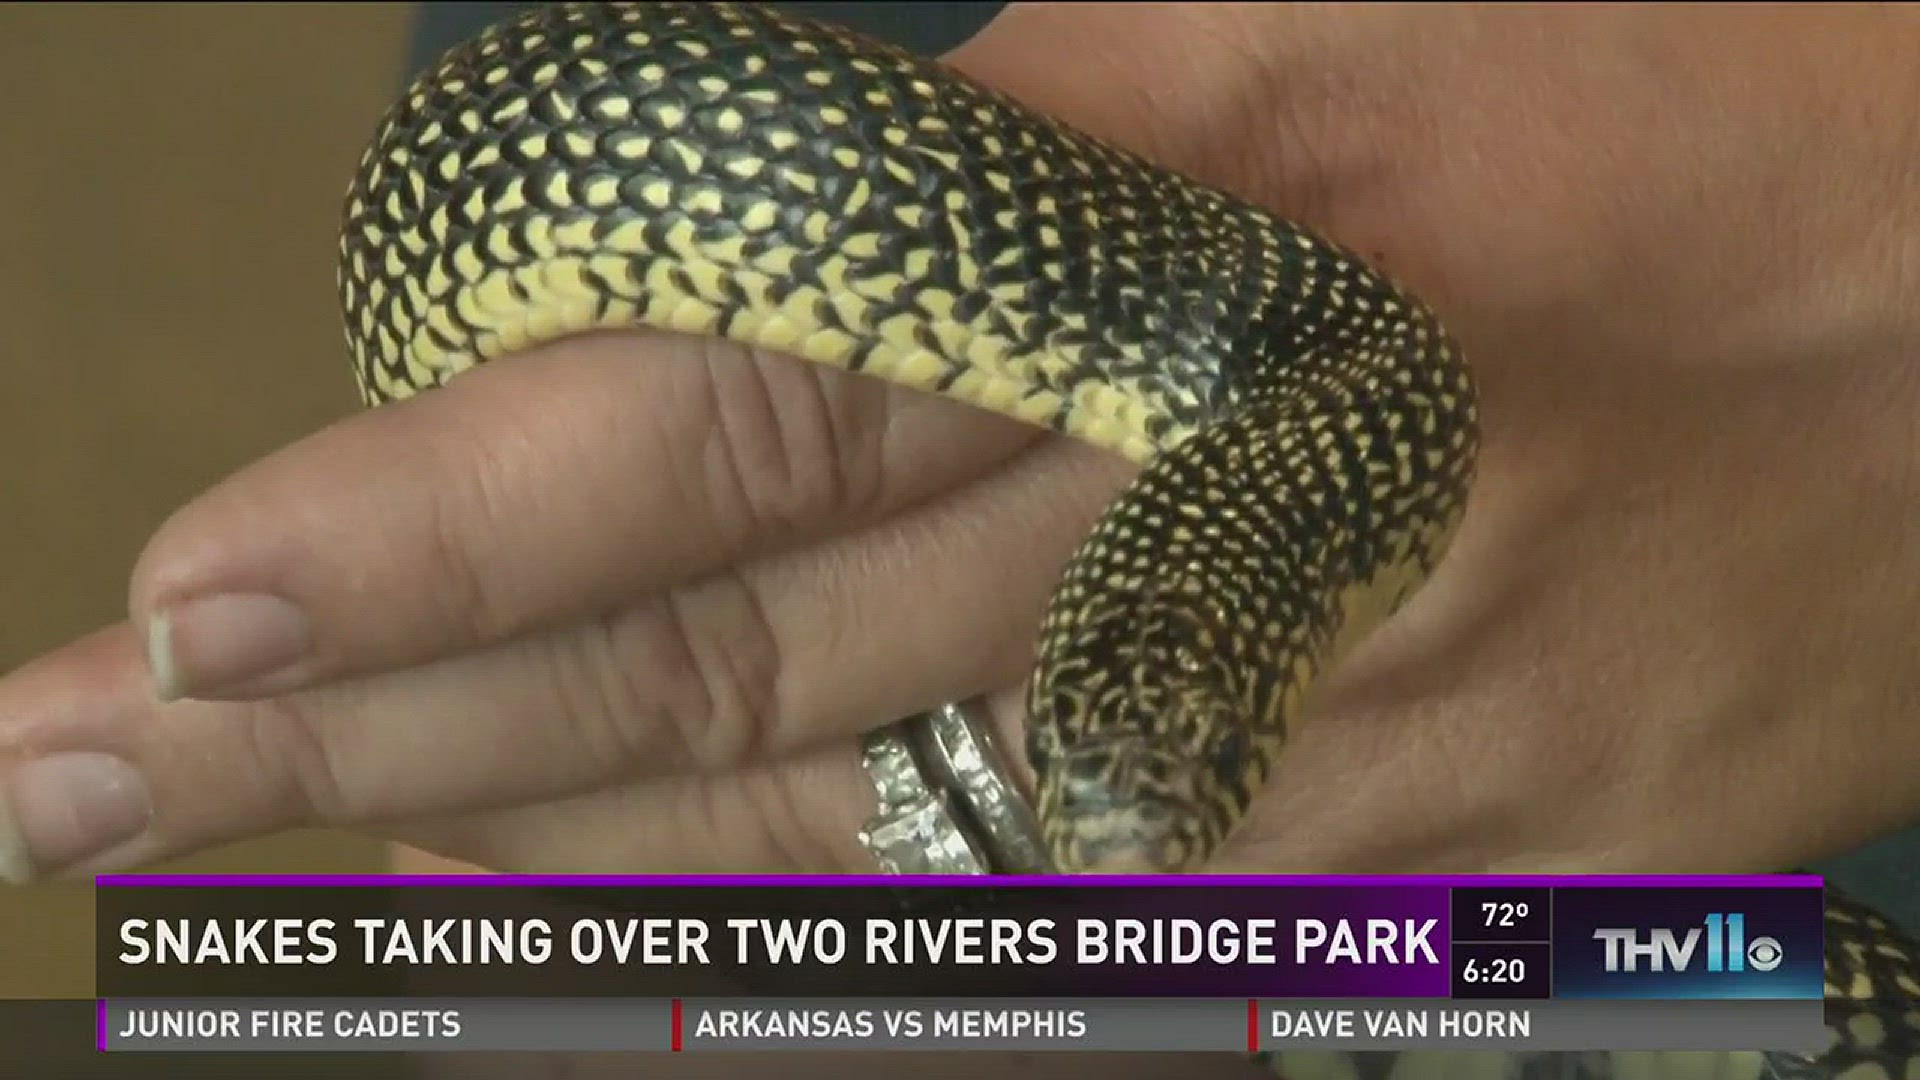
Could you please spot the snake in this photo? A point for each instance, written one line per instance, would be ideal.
(1305, 429)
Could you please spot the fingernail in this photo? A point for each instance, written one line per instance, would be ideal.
(209, 644)
(66, 807)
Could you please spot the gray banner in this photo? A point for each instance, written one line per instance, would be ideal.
(1543, 1025)
(607, 1024)
(388, 1024)
(962, 1024)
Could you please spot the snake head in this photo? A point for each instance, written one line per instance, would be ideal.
(1153, 706)
(1147, 779)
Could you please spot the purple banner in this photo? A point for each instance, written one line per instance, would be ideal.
(501, 936)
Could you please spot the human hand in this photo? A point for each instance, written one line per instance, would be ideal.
(625, 604)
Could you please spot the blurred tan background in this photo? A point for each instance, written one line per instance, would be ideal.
(170, 180)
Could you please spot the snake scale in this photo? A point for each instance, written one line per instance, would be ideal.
(1306, 431)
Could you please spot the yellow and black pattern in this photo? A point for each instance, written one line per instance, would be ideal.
(1306, 430)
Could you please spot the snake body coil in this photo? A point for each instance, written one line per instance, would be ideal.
(1306, 431)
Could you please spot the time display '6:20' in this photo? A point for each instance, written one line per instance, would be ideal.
(1502, 969)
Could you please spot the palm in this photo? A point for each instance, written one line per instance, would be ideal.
(1654, 365)
(1630, 389)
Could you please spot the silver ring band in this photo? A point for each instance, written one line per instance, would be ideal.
(947, 802)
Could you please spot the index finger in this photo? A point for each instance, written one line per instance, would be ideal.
(553, 486)
(515, 498)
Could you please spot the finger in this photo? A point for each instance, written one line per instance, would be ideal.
(797, 816)
(529, 494)
(805, 647)
(553, 486)
(1164, 103)
(1261, 100)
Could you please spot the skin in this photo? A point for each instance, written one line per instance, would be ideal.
(633, 597)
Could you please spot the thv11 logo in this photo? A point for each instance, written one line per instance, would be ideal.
(1666, 950)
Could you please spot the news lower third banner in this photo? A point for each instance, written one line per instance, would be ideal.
(504, 963)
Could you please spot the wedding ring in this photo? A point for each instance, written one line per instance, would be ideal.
(948, 804)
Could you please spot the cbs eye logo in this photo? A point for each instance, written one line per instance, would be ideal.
(1764, 954)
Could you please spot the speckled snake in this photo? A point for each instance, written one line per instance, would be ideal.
(1306, 430)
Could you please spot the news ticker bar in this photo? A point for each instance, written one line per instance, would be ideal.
(200, 1025)
(1479, 938)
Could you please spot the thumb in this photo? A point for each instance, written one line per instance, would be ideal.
(1258, 100)
(1163, 103)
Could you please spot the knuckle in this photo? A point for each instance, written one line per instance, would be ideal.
(644, 684)
(732, 676)
(788, 443)
(466, 508)
(285, 742)
(599, 700)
